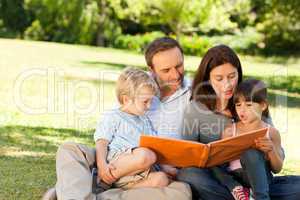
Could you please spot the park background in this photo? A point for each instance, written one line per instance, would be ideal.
(59, 60)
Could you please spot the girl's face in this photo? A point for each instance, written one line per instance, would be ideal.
(224, 79)
(249, 111)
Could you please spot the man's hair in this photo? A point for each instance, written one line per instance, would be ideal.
(158, 45)
(131, 81)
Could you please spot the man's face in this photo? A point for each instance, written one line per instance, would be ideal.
(168, 70)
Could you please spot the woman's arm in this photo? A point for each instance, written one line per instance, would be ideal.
(228, 132)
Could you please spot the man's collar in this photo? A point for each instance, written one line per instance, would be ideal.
(185, 87)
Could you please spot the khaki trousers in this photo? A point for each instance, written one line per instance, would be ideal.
(74, 179)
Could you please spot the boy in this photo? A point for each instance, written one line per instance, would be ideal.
(117, 136)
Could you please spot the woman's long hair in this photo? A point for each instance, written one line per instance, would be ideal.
(202, 90)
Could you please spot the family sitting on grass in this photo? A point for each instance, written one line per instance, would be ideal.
(161, 102)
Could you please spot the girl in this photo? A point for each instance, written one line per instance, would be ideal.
(251, 107)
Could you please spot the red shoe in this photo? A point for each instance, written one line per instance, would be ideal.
(241, 193)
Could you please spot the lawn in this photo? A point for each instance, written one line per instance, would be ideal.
(52, 93)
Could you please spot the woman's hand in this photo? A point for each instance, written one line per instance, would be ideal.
(105, 173)
(169, 170)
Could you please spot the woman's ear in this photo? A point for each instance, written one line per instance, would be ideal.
(264, 105)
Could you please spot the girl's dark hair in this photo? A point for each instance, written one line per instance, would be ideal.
(252, 90)
(202, 91)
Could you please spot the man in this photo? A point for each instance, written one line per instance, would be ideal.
(164, 56)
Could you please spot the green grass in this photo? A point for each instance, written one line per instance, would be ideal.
(27, 158)
(76, 84)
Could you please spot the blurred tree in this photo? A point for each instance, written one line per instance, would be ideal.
(14, 16)
(108, 27)
(174, 13)
(271, 25)
(69, 21)
(279, 21)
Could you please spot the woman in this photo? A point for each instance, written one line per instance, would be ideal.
(208, 113)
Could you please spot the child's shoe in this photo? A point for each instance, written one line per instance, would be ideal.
(240, 193)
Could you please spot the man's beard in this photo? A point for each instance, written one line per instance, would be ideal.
(168, 86)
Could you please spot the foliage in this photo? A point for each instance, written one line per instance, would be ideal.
(283, 34)
(72, 21)
(14, 16)
(195, 45)
(136, 42)
(275, 24)
(246, 41)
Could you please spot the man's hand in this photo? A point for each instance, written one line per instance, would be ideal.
(264, 144)
(105, 173)
(169, 170)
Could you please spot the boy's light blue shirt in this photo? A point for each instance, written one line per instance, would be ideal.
(122, 130)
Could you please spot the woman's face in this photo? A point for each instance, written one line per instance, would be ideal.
(224, 79)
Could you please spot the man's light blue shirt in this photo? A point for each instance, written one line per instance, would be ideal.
(166, 115)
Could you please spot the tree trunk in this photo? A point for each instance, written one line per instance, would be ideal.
(100, 41)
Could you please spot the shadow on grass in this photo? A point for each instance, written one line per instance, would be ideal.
(95, 81)
(120, 66)
(288, 83)
(27, 158)
(39, 139)
(112, 65)
(277, 99)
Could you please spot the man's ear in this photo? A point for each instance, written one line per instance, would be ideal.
(151, 69)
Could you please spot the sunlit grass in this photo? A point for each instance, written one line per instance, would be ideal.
(66, 89)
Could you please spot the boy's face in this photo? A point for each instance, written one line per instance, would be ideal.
(249, 111)
(141, 103)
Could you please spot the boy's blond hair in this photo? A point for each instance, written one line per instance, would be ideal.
(132, 80)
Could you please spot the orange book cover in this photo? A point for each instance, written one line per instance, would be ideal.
(184, 153)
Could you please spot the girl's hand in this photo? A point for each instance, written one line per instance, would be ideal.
(169, 170)
(264, 144)
(104, 173)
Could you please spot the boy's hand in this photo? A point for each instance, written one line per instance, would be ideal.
(169, 170)
(104, 173)
(264, 144)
